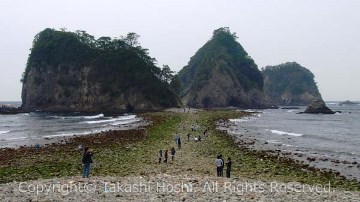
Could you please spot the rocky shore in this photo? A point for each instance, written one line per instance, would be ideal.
(125, 161)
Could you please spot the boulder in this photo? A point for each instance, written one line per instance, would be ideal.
(318, 107)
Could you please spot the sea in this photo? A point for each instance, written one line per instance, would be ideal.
(28, 129)
(332, 139)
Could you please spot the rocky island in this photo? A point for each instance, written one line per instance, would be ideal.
(73, 71)
(290, 84)
(222, 74)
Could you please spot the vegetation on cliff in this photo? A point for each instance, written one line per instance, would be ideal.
(221, 74)
(290, 84)
(117, 65)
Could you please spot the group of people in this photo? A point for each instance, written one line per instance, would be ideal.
(164, 155)
(220, 166)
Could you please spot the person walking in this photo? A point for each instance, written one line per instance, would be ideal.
(228, 167)
(179, 143)
(87, 161)
(218, 163)
(160, 155)
(188, 136)
(172, 153)
(166, 156)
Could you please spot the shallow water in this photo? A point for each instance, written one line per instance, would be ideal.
(34, 127)
(330, 137)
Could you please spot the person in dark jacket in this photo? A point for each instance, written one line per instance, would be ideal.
(166, 156)
(179, 143)
(87, 161)
(160, 155)
(172, 153)
(228, 167)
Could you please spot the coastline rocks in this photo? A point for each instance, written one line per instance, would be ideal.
(347, 102)
(318, 107)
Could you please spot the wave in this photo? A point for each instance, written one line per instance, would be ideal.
(94, 117)
(68, 134)
(274, 141)
(4, 131)
(16, 138)
(237, 120)
(331, 103)
(111, 120)
(125, 122)
(279, 132)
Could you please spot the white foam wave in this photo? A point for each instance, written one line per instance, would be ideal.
(274, 141)
(237, 120)
(68, 134)
(291, 111)
(4, 131)
(94, 117)
(331, 103)
(125, 122)
(250, 110)
(16, 138)
(286, 133)
(112, 120)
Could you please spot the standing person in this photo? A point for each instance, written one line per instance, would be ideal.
(228, 167)
(188, 136)
(222, 167)
(87, 161)
(179, 143)
(160, 155)
(172, 153)
(218, 163)
(166, 156)
(176, 137)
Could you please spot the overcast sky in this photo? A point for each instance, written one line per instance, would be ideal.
(321, 35)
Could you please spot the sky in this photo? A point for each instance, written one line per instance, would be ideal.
(321, 35)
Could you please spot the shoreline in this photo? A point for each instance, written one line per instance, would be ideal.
(311, 160)
(121, 156)
(64, 139)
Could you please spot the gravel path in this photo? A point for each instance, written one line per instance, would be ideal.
(164, 187)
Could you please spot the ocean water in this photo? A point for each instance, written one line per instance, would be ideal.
(35, 127)
(326, 137)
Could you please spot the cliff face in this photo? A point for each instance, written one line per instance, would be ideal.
(74, 72)
(221, 74)
(290, 84)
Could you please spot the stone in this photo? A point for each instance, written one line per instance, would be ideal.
(318, 107)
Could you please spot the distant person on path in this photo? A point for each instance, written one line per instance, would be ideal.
(172, 153)
(179, 143)
(160, 155)
(218, 163)
(222, 167)
(228, 167)
(188, 136)
(87, 161)
(176, 137)
(166, 156)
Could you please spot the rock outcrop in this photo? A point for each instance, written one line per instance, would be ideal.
(69, 72)
(222, 74)
(348, 102)
(290, 84)
(318, 107)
